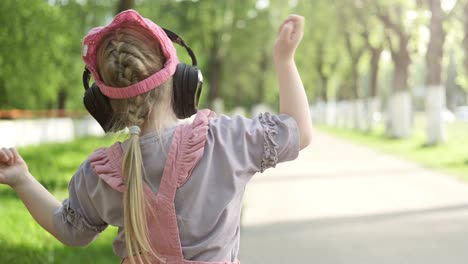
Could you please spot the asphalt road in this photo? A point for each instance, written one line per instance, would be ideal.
(343, 203)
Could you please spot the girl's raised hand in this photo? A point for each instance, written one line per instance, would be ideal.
(289, 36)
(13, 169)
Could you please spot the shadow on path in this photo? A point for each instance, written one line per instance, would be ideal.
(430, 236)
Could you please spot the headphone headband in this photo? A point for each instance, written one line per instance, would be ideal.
(176, 39)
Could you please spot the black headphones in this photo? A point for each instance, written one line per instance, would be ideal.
(188, 82)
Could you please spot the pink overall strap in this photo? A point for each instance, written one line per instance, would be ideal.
(184, 153)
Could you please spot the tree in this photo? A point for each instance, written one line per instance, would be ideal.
(213, 31)
(465, 39)
(371, 33)
(249, 57)
(40, 52)
(73, 22)
(435, 103)
(399, 115)
(209, 24)
(124, 5)
(324, 45)
(27, 78)
(357, 39)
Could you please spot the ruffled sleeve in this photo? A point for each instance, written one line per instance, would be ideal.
(93, 192)
(77, 221)
(270, 147)
(256, 144)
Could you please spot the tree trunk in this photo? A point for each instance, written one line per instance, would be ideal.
(436, 43)
(61, 100)
(264, 64)
(323, 88)
(323, 114)
(435, 100)
(373, 100)
(4, 100)
(452, 95)
(330, 113)
(399, 115)
(402, 62)
(400, 110)
(373, 112)
(123, 5)
(355, 97)
(238, 96)
(322, 108)
(465, 39)
(214, 77)
(374, 75)
(355, 54)
(323, 78)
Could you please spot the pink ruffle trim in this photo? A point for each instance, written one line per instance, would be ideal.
(107, 162)
(192, 145)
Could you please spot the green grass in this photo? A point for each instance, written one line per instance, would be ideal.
(22, 240)
(450, 157)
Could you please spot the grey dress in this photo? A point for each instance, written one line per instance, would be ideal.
(208, 205)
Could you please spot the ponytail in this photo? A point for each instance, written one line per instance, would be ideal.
(135, 225)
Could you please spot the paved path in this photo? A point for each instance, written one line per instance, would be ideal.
(342, 203)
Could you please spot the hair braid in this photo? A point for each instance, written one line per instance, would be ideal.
(124, 58)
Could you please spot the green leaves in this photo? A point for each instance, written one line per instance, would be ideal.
(40, 52)
(40, 44)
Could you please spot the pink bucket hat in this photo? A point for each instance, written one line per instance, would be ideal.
(95, 36)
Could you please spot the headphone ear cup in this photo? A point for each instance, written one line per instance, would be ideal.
(178, 91)
(99, 107)
(186, 90)
(194, 88)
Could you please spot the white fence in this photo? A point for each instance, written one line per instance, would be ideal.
(25, 132)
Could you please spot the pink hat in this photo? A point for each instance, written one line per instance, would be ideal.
(94, 37)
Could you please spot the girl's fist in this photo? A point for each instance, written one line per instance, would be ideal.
(289, 36)
(13, 169)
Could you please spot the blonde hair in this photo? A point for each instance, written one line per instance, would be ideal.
(126, 57)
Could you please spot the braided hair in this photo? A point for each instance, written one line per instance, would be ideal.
(125, 57)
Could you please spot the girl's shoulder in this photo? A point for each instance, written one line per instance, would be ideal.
(107, 165)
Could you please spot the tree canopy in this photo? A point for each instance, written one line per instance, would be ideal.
(338, 59)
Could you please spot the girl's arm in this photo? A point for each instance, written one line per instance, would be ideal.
(293, 99)
(40, 203)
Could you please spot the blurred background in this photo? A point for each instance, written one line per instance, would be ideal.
(387, 82)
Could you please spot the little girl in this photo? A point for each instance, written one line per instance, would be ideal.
(173, 190)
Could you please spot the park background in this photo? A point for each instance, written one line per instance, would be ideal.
(388, 74)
